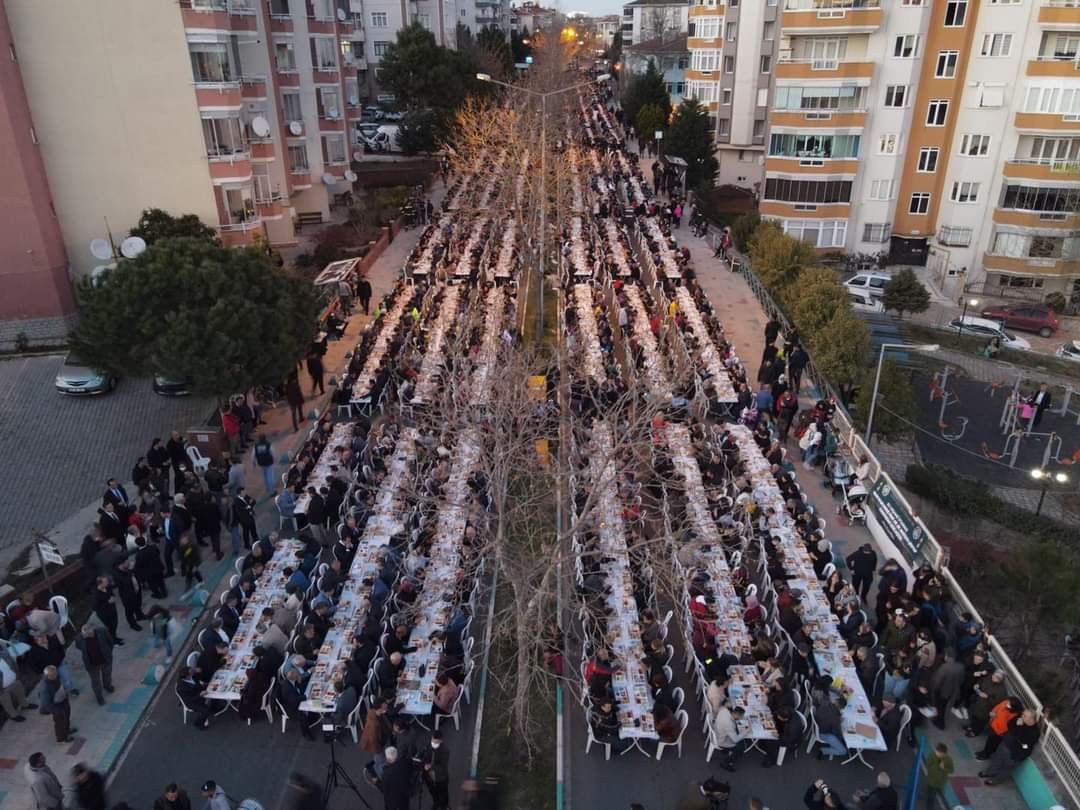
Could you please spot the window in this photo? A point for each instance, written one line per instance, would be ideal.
(974, 145)
(840, 147)
(725, 95)
(913, 3)
(683, 62)
(819, 98)
(320, 9)
(824, 53)
(766, 64)
(882, 189)
(965, 192)
(888, 144)
(352, 91)
(876, 232)
(334, 151)
(705, 60)
(895, 95)
(210, 62)
(702, 91)
(731, 31)
(707, 27)
(996, 44)
(991, 96)
(821, 234)
(324, 53)
(329, 103)
(763, 97)
(380, 49)
(920, 203)
(946, 64)
(290, 106)
(279, 8)
(928, 157)
(223, 136)
(957, 237)
(298, 162)
(937, 112)
(906, 46)
(284, 55)
(1053, 99)
(424, 20)
(759, 129)
(807, 191)
(679, 88)
(1045, 199)
(379, 19)
(1006, 2)
(729, 64)
(955, 13)
(723, 128)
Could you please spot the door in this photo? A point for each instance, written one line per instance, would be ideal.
(905, 250)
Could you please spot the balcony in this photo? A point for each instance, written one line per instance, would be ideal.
(1037, 219)
(299, 179)
(218, 94)
(230, 166)
(1060, 13)
(835, 17)
(788, 210)
(356, 33)
(262, 149)
(331, 123)
(1030, 266)
(1043, 169)
(243, 233)
(820, 119)
(812, 165)
(823, 69)
(280, 23)
(268, 201)
(253, 87)
(1060, 66)
(325, 74)
(321, 25)
(705, 11)
(218, 15)
(1052, 121)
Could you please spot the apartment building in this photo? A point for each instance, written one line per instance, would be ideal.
(531, 17)
(643, 20)
(670, 57)
(945, 132)
(733, 53)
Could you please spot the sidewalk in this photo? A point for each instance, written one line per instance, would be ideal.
(138, 668)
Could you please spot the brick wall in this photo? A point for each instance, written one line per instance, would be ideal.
(39, 332)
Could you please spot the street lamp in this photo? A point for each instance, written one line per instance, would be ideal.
(486, 77)
(963, 314)
(1044, 477)
(926, 347)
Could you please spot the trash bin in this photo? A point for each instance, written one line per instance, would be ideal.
(209, 439)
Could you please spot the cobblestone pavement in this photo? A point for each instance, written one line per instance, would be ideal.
(59, 451)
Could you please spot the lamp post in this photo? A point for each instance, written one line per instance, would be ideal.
(926, 347)
(1044, 477)
(484, 77)
(963, 313)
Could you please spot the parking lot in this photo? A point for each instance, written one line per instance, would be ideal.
(58, 451)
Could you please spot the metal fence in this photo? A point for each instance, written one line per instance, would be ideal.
(1058, 756)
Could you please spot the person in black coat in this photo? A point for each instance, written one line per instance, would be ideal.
(89, 788)
(149, 568)
(118, 497)
(105, 607)
(177, 449)
(112, 523)
(208, 524)
(863, 563)
(190, 692)
(397, 781)
(244, 517)
(130, 593)
(316, 510)
(363, 292)
(172, 798)
(291, 694)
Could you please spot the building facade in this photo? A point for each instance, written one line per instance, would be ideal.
(670, 57)
(643, 20)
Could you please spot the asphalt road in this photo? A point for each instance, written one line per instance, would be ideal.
(58, 451)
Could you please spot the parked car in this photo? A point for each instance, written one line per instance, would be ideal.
(168, 387)
(392, 116)
(383, 140)
(865, 302)
(75, 378)
(985, 328)
(867, 283)
(371, 112)
(1025, 318)
(1069, 351)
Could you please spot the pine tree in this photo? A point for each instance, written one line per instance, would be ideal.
(905, 293)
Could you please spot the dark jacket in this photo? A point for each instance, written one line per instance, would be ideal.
(99, 654)
(90, 792)
(182, 802)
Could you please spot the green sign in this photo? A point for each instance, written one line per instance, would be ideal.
(895, 520)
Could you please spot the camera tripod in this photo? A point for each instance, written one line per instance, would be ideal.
(335, 771)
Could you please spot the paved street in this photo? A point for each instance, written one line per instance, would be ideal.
(59, 451)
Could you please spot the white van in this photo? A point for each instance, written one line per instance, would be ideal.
(867, 283)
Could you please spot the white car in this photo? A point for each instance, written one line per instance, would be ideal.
(864, 302)
(1069, 351)
(985, 328)
(867, 283)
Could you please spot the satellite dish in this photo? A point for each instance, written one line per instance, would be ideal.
(132, 247)
(329, 179)
(296, 128)
(341, 15)
(357, 155)
(350, 176)
(260, 126)
(97, 273)
(101, 249)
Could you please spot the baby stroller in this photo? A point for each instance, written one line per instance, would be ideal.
(838, 474)
(853, 506)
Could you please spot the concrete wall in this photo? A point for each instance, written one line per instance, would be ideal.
(115, 137)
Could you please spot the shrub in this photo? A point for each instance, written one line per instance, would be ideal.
(742, 230)
(1056, 301)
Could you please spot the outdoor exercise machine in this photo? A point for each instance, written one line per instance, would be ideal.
(1067, 400)
(939, 390)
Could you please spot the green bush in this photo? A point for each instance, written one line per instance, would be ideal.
(1056, 301)
(967, 496)
(742, 230)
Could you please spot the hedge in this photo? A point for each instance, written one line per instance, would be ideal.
(967, 496)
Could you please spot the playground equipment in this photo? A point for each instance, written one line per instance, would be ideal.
(957, 429)
(939, 390)
(1067, 401)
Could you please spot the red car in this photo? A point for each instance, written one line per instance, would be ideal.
(1025, 318)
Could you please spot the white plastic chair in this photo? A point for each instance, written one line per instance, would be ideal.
(283, 518)
(183, 706)
(592, 739)
(199, 462)
(353, 721)
(455, 712)
(684, 721)
(679, 697)
(233, 580)
(192, 659)
(265, 705)
(905, 719)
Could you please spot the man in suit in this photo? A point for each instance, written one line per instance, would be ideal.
(193, 695)
(96, 647)
(230, 615)
(244, 516)
(149, 568)
(435, 760)
(112, 523)
(1040, 401)
(211, 659)
(291, 695)
(347, 699)
(118, 497)
(212, 634)
(316, 512)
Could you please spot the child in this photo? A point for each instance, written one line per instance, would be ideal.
(189, 560)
